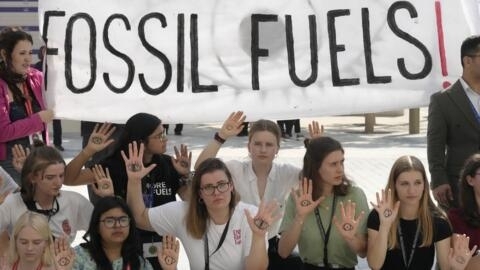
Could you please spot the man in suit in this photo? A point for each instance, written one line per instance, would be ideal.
(454, 126)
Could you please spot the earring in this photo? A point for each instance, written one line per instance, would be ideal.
(200, 200)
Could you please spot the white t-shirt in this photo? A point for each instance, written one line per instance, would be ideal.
(281, 179)
(170, 219)
(73, 214)
(7, 183)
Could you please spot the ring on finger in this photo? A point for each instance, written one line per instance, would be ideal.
(105, 186)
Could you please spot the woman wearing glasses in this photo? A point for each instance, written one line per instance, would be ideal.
(217, 231)
(159, 186)
(259, 177)
(111, 239)
(42, 179)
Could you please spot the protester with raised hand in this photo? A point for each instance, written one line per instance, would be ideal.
(212, 220)
(406, 230)
(42, 180)
(111, 239)
(161, 185)
(168, 254)
(260, 177)
(325, 197)
(64, 254)
(32, 246)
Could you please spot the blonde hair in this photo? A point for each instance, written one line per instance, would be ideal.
(40, 224)
(427, 209)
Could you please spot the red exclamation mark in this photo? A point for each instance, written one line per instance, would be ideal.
(441, 42)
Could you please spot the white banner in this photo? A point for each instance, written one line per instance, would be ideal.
(194, 61)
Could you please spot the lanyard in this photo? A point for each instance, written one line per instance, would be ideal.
(28, 100)
(31, 205)
(402, 245)
(15, 265)
(325, 234)
(205, 245)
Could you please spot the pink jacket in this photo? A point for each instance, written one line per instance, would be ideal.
(24, 127)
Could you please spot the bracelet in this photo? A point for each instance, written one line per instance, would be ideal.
(218, 138)
(187, 179)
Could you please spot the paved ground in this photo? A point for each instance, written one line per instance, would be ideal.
(369, 157)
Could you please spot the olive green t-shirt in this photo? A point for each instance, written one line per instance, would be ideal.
(311, 243)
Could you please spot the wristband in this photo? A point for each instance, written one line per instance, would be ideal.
(218, 138)
(187, 179)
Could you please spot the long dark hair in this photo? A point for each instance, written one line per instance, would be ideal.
(9, 37)
(468, 203)
(93, 240)
(137, 128)
(317, 150)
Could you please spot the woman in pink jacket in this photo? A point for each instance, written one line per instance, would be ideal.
(22, 111)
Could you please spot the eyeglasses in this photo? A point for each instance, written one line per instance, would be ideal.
(210, 189)
(111, 222)
(161, 136)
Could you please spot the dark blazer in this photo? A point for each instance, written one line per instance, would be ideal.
(453, 135)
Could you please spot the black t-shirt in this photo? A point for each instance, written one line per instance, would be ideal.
(158, 187)
(423, 256)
